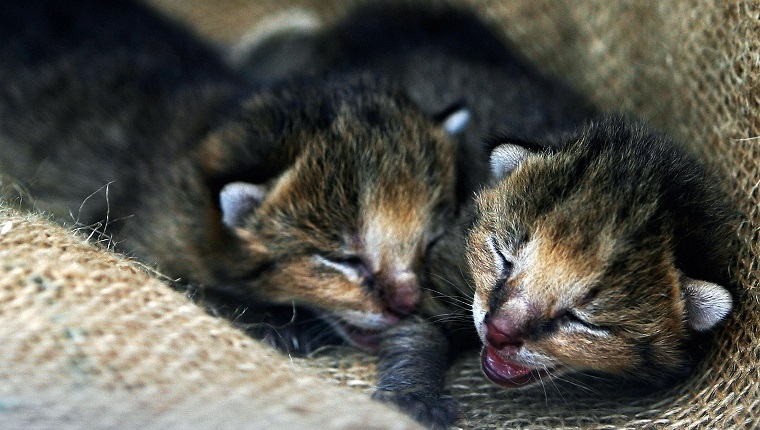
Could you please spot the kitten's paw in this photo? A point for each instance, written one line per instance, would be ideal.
(437, 412)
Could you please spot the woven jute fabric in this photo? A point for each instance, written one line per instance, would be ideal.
(88, 335)
(91, 340)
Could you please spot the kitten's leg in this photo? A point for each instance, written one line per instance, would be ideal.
(413, 359)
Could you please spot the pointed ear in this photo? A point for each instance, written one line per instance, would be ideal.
(454, 119)
(505, 158)
(457, 121)
(706, 303)
(238, 200)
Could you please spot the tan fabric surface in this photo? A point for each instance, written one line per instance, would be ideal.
(90, 340)
(87, 328)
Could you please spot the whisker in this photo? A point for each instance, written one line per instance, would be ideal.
(471, 288)
(466, 307)
(543, 387)
(458, 287)
(567, 378)
(551, 379)
(467, 301)
(450, 315)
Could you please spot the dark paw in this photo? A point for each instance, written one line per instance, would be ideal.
(436, 412)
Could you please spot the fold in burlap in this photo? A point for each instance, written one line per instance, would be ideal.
(86, 335)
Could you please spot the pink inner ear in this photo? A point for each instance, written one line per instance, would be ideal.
(707, 303)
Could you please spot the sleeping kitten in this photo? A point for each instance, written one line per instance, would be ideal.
(605, 250)
(318, 192)
(600, 251)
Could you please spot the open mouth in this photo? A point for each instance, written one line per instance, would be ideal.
(362, 337)
(507, 374)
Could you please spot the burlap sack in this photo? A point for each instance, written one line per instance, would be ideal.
(87, 337)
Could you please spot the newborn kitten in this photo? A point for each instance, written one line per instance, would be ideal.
(603, 251)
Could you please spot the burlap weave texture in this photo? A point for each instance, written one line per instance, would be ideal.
(92, 340)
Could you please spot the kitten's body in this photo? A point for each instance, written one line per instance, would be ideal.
(86, 99)
(320, 192)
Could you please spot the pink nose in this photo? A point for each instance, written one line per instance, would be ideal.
(503, 337)
(509, 327)
(402, 293)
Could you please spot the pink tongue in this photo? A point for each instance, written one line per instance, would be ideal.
(503, 372)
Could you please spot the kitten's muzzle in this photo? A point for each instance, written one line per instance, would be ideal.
(507, 329)
(507, 339)
(509, 374)
(505, 334)
(401, 293)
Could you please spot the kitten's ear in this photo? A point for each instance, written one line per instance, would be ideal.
(706, 303)
(238, 200)
(505, 158)
(454, 119)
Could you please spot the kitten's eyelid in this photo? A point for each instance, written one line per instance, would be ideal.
(512, 245)
(504, 261)
(522, 239)
(578, 316)
(435, 238)
(575, 326)
(497, 248)
(347, 259)
(578, 321)
(351, 266)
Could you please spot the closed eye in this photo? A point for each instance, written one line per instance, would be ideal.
(573, 321)
(432, 243)
(351, 266)
(503, 265)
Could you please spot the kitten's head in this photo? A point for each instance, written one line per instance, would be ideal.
(343, 228)
(597, 254)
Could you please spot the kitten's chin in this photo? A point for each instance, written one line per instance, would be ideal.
(511, 375)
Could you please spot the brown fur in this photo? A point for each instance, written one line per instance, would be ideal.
(580, 256)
